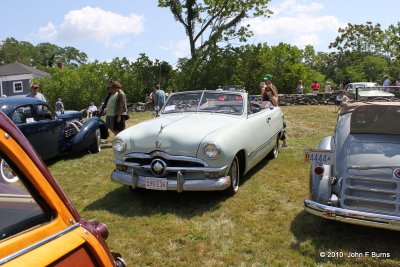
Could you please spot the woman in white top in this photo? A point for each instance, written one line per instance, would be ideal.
(328, 88)
(300, 87)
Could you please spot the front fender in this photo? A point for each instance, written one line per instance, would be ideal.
(320, 185)
(87, 133)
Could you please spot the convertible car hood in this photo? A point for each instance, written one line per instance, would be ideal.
(175, 134)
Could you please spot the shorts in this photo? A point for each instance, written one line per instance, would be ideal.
(114, 125)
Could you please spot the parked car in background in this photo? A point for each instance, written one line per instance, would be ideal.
(367, 90)
(202, 141)
(39, 226)
(53, 134)
(355, 173)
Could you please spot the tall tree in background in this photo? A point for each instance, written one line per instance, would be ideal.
(12, 50)
(219, 20)
(42, 56)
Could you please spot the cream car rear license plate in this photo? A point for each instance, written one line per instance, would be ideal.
(319, 156)
(156, 183)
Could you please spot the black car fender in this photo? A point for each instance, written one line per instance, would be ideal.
(87, 133)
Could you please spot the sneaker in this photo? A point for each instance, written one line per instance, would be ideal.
(284, 145)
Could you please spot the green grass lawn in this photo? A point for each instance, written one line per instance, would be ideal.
(263, 225)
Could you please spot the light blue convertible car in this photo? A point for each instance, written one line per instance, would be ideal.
(202, 141)
(355, 173)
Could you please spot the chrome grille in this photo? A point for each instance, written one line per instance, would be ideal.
(142, 163)
(171, 163)
(372, 189)
(72, 128)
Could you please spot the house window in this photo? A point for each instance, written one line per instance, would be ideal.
(18, 87)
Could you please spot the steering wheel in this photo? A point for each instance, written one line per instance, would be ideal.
(230, 109)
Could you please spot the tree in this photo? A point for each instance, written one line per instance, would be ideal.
(219, 19)
(72, 56)
(47, 54)
(363, 39)
(12, 50)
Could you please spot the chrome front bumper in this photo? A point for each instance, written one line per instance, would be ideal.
(179, 185)
(352, 216)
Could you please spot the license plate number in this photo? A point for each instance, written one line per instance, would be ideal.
(156, 183)
(319, 156)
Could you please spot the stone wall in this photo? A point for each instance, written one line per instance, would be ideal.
(307, 99)
(284, 100)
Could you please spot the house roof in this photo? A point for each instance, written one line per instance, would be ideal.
(17, 68)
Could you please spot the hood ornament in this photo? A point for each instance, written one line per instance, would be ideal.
(158, 144)
(161, 128)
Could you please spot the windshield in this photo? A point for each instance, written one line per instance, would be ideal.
(218, 102)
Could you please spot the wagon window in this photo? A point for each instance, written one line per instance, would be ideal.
(375, 119)
(19, 210)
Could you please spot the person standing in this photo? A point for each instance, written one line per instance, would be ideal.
(59, 106)
(271, 94)
(268, 81)
(386, 83)
(159, 98)
(300, 87)
(103, 105)
(34, 93)
(116, 108)
(328, 89)
(315, 86)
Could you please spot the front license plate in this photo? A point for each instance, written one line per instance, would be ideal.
(319, 156)
(156, 183)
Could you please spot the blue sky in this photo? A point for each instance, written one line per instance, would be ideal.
(106, 29)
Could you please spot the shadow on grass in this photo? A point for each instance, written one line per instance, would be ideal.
(71, 156)
(142, 202)
(258, 167)
(74, 155)
(314, 235)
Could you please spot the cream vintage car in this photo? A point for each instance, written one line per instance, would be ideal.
(367, 90)
(202, 141)
(355, 172)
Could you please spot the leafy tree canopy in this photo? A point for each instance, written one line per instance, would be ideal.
(210, 21)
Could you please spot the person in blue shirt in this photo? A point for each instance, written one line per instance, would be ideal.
(159, 98)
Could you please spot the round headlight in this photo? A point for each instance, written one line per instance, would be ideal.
(212, 150)
(119, 145)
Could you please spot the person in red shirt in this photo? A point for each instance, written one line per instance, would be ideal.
(315, 87)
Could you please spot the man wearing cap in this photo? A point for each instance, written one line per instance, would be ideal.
(34, 93)
(268, 82)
